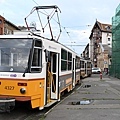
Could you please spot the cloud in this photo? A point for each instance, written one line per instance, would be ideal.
(75, 39)
(77, 35)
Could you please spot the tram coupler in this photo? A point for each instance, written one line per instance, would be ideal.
(7, 104)
(100, 75)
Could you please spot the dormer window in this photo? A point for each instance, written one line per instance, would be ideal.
(108, 27)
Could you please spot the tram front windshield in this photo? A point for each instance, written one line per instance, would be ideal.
(14, 54)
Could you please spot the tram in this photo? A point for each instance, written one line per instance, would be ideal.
(85, 68)
(36, 69)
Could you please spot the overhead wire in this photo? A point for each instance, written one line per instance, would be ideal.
(58, 22)
(35, 2)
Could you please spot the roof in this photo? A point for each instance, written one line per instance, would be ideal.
(9, 22)
(22, 27)
(12, 24)
(102, 26)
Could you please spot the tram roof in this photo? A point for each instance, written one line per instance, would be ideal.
(27, 34)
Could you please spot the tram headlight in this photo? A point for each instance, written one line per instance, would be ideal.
(22, 90)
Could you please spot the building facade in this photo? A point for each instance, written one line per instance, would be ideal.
(101, 36)
(6, 27)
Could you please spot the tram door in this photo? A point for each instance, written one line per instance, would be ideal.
(53, 77)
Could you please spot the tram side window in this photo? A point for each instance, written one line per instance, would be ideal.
(69, 61)
(63, 60)
(38, 43)
(82, 64)
(66, 60)
(37, 58)
(77, 63)
(89, 65)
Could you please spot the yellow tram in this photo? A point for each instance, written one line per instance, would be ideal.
(36, 69)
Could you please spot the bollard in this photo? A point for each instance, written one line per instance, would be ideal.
(100, 75)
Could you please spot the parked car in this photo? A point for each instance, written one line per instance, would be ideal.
(96, 70)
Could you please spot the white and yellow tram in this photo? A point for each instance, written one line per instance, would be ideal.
(85, 68)
(36, 69)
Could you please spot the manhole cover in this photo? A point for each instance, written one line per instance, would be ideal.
(82, 102)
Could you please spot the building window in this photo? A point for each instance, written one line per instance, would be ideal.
(108, 28)
(0, 21)
(5, 31)
(108, 39)
(1, 32)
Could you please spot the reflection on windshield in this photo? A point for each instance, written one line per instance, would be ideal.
(14, 56)
(14, 52)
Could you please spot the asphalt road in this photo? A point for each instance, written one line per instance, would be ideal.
(96, 99)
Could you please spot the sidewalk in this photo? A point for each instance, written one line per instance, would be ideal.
(95, 99)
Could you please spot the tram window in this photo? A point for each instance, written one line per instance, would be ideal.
(82, 64)
(69, 56)
(35, 69)
(63, 54)
(63, 65)
(66, 60)
(63, 60)
(89, 65)
(69, 65)
(14, 59)
(77, 63)
(38, 43)
(5, 58)
(37, 60)
(8, 58)
(69, 61)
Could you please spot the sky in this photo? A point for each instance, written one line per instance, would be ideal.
(77, 17)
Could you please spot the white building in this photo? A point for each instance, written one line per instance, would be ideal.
(101, 35)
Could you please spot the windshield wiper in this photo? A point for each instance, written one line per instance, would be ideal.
(26, 70)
